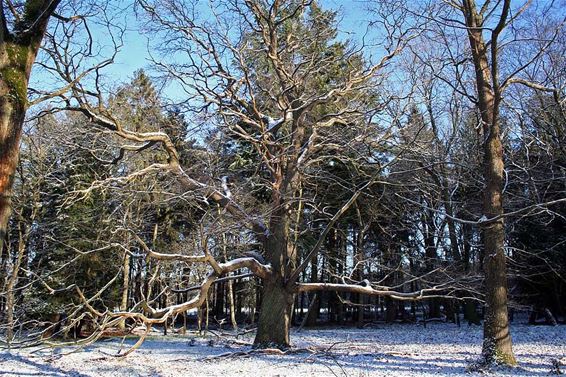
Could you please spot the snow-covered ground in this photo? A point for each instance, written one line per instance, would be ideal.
(385, 350)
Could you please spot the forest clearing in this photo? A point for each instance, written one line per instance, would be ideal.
(282, 187)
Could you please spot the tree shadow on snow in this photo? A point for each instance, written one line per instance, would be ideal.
(33, 368)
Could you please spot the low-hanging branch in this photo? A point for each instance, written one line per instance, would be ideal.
(258, 269)
(367, 289)
(255, 267)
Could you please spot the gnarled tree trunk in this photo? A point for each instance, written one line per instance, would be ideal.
(277, 299)
(275, 315)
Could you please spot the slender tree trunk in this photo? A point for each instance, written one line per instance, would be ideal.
(442, 182)
(314, 301)
(431, 254)
(207, 314)
(125, 288)
(359, 262)
(232, 305)
(467, 246)
(497, 345)
(13, 279)
(334, 246)
(388, 303)
(219, 300)
(230, 285)
(455, 250)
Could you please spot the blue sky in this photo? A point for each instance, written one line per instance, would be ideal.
(134, 54)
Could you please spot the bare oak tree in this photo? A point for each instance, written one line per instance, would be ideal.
(262, 75)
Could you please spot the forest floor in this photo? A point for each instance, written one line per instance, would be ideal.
(397, 350)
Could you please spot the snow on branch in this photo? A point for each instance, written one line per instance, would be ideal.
(367, 289)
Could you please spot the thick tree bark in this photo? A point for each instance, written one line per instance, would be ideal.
(497, 338)
(497, 345)
(13, 93)
(15, 67)
(275, 315)
(18, 51)
(277, 299)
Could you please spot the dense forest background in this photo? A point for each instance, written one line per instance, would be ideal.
(295, 170)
